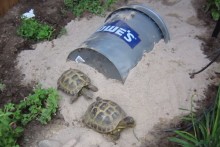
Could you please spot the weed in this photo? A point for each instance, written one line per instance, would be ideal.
(214, 7)
(205, 132)
(62, 32)
(33, 29)
(8, 133)
(2, 87)
(78, 7)
(41, 105)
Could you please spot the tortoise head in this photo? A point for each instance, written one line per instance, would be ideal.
(127, 122)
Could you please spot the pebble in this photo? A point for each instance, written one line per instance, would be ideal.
(49, 143)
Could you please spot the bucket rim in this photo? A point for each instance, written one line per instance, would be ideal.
(150, 13)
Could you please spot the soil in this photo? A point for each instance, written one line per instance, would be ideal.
(53, 12)
(48, 11)
(210, 47)
(11, 44)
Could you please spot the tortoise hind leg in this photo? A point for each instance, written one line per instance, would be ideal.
(92, 87)
(115, 135)
(85, 92)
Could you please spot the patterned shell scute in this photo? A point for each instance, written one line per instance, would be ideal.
(72, 81)
(104, 115)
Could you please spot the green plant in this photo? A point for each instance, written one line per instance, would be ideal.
(205, 132)
(62, 32)
(41, 105)
(8, 133)
(2, 87)
(214, 7)
(78, 7)
(33, 29)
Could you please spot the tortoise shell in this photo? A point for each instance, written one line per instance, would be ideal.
(103, 115)
(72, 81)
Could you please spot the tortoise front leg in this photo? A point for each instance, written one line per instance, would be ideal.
(85, 92)
(115, 134)
(92, 87)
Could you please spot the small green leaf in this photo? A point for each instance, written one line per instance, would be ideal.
(187, 136)
(181, 142)
(215, 14)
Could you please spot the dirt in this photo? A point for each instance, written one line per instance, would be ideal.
(210, 47)
(11, 44)
(53, 12)
(48, 11)
(165, 129)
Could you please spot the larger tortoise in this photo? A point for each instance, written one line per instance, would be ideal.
(75, 83)
(107, 117)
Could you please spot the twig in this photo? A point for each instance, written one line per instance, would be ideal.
(213, 60)
(135, 135)
(217, 29)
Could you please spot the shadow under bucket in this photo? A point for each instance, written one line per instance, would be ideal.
(118, 45)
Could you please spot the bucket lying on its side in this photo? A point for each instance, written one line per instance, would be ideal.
(117, 46)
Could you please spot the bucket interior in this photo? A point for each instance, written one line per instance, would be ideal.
(97, 61)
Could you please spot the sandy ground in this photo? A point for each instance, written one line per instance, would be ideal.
(154, 90)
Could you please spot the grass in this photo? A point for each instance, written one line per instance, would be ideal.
(205, 132)
(78, 7)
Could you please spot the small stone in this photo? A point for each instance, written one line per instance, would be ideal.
(26, 139)
(49, 143)
(67, 124)
(70, 143)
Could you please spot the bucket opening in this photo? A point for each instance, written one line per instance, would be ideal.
(96, 60)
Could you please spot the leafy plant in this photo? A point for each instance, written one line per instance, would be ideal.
(33, 29)
(8, 132)
(205, 132)
(41, 105)
(78, 7)
(214, 7)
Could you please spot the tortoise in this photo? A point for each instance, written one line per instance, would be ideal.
(107, 117)
(75, 83)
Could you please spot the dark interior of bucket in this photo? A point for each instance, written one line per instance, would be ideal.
(97, 61)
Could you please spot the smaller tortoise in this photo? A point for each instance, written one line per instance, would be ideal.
(75, 83)
(107, 117)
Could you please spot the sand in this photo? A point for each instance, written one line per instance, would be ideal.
(155, 89)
